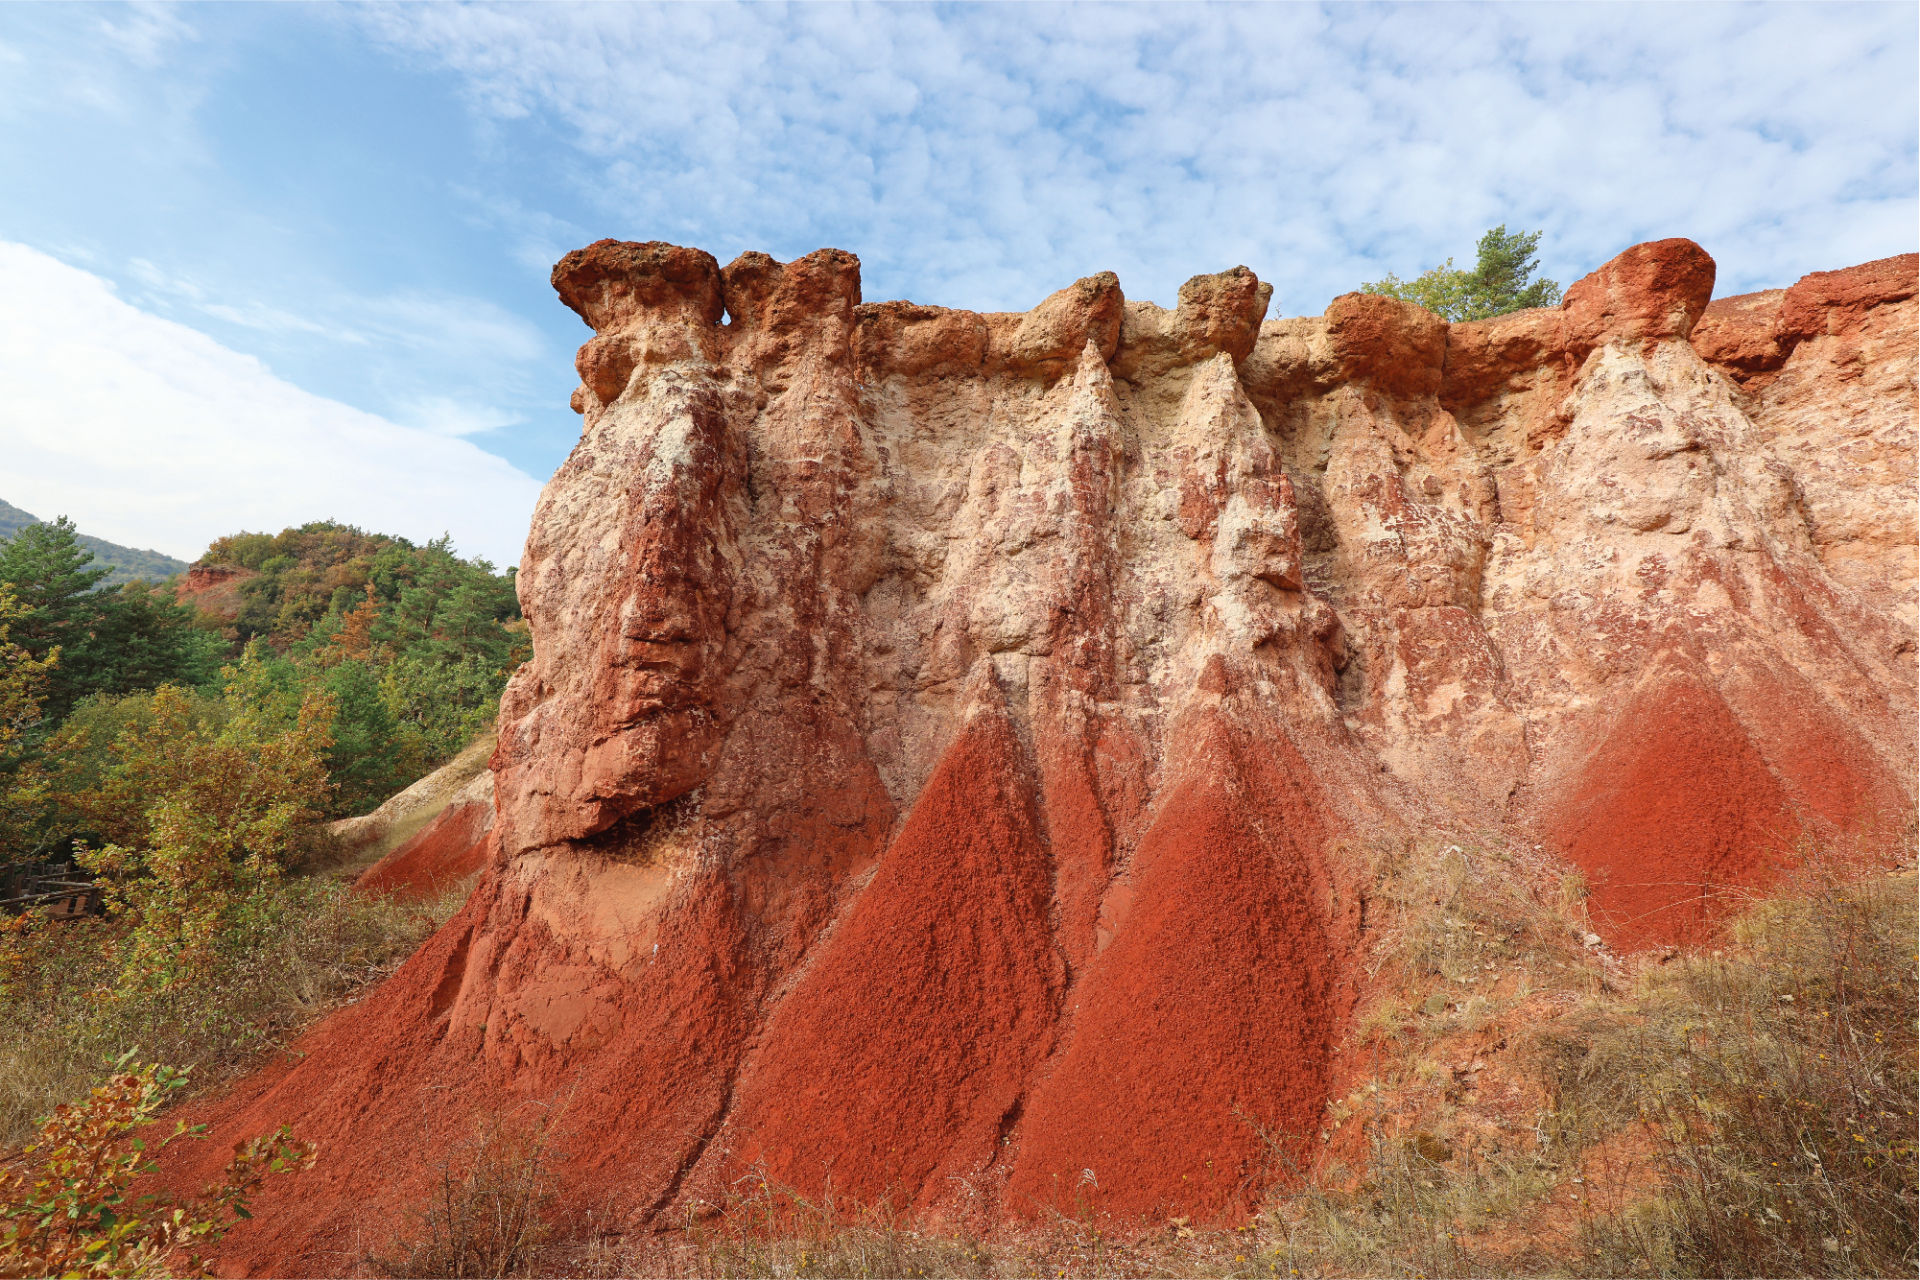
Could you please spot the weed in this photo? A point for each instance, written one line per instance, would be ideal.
(64, 1200)
(488, 1212)
(1776, 1084)
(298, 949)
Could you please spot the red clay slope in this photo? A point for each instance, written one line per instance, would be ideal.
(1207, 1025)
(1674, 812)
(494, 1016)
(902, 1054)
(446, 851)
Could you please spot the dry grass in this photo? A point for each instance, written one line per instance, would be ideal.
(1459, 932)
(762, 1229)
(492, 1200)
(304, 948)
(1439, 1145)
(767, 1229)
(1776, 1086)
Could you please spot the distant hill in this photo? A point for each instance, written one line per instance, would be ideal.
(129, 564)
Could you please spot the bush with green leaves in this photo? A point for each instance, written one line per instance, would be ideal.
(67, 1206)
(1502, 280)
(210, 807)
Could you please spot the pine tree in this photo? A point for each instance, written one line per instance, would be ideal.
(46, 570)
(1501, 280)
(108, 641)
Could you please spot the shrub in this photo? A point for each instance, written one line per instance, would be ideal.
(66, 1205)
(310, 943)
(487, 1213)
(222, 806)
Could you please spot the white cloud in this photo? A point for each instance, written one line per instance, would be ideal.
(405, 345)
(146, 32)
(451, 416)
(539, 238)
(266, 319)
(982, 156)
(466, 330)
(150, 433)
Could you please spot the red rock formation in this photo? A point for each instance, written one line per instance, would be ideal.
(214, 589)
(931, 778)
(902, 1054)
(1825, 372)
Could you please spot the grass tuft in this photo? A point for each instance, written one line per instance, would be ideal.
(490, 1210)
(1775, 1084)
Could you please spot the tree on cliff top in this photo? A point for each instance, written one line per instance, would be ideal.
(1501, 281)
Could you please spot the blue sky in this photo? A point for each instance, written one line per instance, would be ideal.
(263, 264)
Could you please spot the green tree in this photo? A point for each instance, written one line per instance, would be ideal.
(23, 679)
(142, 638)
(107, 641)
(369, 759)
(1501, 281)
(221, 805)
(47, 572)
(91, 796)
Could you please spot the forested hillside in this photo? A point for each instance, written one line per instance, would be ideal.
(123, 564)
(170, 751)
(395, 652)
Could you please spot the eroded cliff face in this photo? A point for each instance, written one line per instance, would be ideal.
(947, 734)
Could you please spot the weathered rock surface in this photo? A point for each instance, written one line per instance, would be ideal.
(946, 733)
(1825, 372)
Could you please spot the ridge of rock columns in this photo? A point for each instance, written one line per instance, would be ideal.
(936, 717)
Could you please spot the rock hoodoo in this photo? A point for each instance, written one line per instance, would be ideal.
(946, 732)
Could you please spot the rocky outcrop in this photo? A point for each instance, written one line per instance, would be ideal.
(1825, 372)
(938, 774)
(214, 589)
(462, 782)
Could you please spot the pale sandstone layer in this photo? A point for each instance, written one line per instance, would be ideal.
(947, 734)
(463, 780)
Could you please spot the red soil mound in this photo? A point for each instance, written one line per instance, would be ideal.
(1207, 1023)
(901, 1055)
(215, 589)
(1674, 812)
(1825, 766)
(444, 852)
(494, 1016)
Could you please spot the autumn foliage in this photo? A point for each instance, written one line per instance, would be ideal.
(67, 1203)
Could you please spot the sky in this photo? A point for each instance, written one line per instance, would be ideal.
(264, 264)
